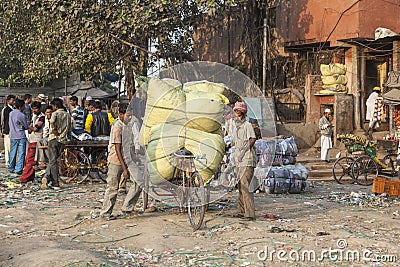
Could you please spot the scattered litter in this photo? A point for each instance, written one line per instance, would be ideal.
(322, 233)
(14, 232)
(275, 229)
(362, 199)
(272, 217)
(12, 185)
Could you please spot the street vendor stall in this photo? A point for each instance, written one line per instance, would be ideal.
(81, 158)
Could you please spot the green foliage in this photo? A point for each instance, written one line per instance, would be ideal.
(108, 87)
(46, 39)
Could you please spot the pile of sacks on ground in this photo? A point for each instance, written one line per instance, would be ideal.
(183, 116)
(333, 78)
(276, 169)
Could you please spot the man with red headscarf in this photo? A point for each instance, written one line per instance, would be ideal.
(245, 160)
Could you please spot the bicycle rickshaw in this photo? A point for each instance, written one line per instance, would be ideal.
(361, 164)
(186, 186)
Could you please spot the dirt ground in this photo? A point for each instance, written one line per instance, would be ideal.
(327, 225)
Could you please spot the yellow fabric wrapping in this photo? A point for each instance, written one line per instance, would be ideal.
(335, 87)
(204, 111)
(160, 170)
(165, 139)
(204, 86)
(334, 68)
(329, 92)
(163, 98)
(212, 145)
(338, 68)
(334, 79)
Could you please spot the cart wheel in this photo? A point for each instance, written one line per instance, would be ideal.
(67, 166)
(341, 170)
(83, 166)
(391, 162)
(145, 189)
(196, 200)
(364, 170)
(100, 163)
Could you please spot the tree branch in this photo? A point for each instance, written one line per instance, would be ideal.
(133, 45)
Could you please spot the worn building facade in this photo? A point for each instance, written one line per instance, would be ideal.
(300, 35)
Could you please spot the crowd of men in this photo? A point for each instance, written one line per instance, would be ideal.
(28, 125)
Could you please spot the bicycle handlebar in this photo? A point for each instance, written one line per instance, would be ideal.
(203, 156)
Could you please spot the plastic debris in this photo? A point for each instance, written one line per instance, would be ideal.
(12, 185)
(322, 233)
(272, 217)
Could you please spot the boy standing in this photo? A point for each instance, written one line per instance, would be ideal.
(116, 169)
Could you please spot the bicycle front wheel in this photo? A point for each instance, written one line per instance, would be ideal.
(364, 170)
(341, 170)
(196, 200)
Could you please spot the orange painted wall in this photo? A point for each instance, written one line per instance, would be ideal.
(379, 13)
(313, 20)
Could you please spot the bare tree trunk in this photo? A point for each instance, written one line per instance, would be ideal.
(136, 64)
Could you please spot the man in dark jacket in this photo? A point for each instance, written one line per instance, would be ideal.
(99, 122)
(5, 128)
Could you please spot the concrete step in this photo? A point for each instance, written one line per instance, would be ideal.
(319, 167)
(320, 173)
(325, 179)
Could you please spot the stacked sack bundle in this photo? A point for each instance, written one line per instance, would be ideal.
(333, 78)
(175, 118)
(276, 169)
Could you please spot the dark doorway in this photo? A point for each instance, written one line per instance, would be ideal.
(372, 76)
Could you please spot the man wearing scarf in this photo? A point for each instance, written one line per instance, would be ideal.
(245, 160)
(35, 135)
